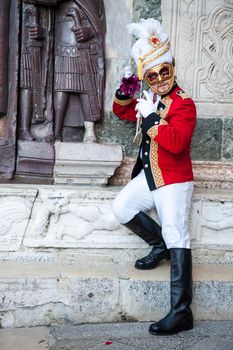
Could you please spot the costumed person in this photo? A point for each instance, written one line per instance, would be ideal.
(162, 177)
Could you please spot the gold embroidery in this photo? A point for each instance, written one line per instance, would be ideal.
(183, 94)
(123, 102)
(167, 101)
(153, 131)
(163, 122)
(156, 171)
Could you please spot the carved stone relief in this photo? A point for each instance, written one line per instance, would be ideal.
(15, 210)
(201, 34)
(70, 219)
(212, 222)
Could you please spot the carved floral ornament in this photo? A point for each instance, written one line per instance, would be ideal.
(202, 35)
(213, 74)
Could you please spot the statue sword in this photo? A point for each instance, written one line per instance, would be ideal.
(37, 83)
(74, 13)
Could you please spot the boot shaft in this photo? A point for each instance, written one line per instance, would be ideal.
(146, 228)
(181, 278)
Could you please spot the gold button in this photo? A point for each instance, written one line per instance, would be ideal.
(146, 165)
(146, 153)
(156, 122)
(161, 109)
(147, 141)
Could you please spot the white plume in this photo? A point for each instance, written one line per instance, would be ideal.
(145, 28)
(149, 54)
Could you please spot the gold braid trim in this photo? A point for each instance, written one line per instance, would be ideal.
(155, 57)
(167, 101)
(123, 102)
(153, 131)
(155, 49)
(155, 169)
(141, 59)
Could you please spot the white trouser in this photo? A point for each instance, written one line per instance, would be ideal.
(172, 203)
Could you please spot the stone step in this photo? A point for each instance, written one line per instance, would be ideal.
(96, 289)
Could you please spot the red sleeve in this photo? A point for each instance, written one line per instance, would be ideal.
(125, 109)
(177, 134)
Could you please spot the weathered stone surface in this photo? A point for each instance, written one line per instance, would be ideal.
(39, 153)
(24, 339)
(200, 33)
(207, 174)
(207, 140)
(54, 219)
(35, 294)
(227, 147)
(118, 43)
(15, 210)
(145, 300)
(118, 131)
(215, 225)
(85, 163)
(71, 219)
(215, 175)
(211, 335)
(147, 9)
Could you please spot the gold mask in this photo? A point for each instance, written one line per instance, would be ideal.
(160, 75)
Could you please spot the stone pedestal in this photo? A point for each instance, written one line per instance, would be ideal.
(86, 164)
(35, 159)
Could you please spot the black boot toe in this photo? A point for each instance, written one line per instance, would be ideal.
(153, 258)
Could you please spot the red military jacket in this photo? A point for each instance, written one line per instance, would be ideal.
(166, 137)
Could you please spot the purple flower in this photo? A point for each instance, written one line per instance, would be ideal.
(129, 86)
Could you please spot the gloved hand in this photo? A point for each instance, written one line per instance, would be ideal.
(146, 105)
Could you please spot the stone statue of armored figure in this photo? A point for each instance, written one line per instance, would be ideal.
(77, 49)
(79, 66)
(31, 85)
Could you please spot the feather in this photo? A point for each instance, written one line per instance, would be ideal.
(145, 28)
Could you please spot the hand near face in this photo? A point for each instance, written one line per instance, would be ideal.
(146, 105)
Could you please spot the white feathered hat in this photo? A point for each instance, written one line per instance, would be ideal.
(152, 47)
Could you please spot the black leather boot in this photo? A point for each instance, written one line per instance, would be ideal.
(150, 261)
(146, 228)
(180, 317)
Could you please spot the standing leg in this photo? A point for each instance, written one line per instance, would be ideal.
(25, 115)
(180, 316)
(60, 105)
(90, 115)
(129, 207)
(173, 205)
(89, 135)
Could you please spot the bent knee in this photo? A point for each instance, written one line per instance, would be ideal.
(123, 212)
(118, 210)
